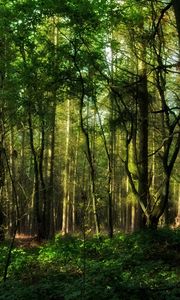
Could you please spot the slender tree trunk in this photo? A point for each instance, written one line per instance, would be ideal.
(13, 172)
(65, 217)
(109, 154)
(37, 211)
(43, 192)
(87, 141)
(143, 188)
(74, 183)
(2, 170)
(23, 195)
(177, 219)
(50, 202)
(2, 178)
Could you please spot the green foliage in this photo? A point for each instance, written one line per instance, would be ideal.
(142, 265)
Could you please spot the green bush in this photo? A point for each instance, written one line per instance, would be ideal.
(143, 265)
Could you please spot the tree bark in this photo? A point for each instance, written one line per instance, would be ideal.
(2, 178)
(66, 197)
(143, 188)
(50, 202)
(109, 154)
(176, 6)
(37, 212)
(43, 193)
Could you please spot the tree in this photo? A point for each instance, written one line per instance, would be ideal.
(89, 114)
(176, 6)
(135, 122)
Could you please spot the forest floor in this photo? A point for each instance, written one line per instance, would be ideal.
(139, 266)
(27, 241)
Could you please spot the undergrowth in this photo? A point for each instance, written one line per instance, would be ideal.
(143, 265)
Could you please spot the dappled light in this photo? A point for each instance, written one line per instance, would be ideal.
(89, 149)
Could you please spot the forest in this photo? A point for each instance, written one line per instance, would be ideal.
(89, 149)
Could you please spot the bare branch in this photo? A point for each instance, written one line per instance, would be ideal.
(163, 11)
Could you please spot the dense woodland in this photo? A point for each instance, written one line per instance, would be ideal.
(89, 116)
(89, 149)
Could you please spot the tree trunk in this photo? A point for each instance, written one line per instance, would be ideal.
(143, 188)
(50, 201)
(3, 48)
(66, 198)
(13, 173)
(109, 154)
(38, 217)
(74, 183)
(2, 179)
(2, 234)
(176, 6)
(43, 192)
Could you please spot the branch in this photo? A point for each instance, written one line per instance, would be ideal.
(175, 154)
(163, 11)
